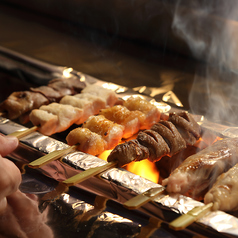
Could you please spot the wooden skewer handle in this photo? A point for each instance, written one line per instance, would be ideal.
(143, 198)
(21, 133)
(80, 177)
(187, 219)
(50, 157)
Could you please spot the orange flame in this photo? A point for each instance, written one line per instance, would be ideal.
(144, 168)
(104, 154)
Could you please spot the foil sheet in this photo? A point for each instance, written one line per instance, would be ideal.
(117, 184)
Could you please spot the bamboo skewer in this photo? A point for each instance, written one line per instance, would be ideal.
(80, 177)
(44, 159)
(192, 216)
(50, 157)
(21, 133)
(144, 198)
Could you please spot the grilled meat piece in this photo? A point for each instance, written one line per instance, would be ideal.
(187, 126)
(155, 143)
(139, 104)
(223, 193)
(198, 172)
(90, 104)
(128, 152)
(51, 94)
(110, 131)
(69, 86)
(55, 117)
(108, 95)
(19, 103)
(88, 141)
(171, 136)
(131, 120)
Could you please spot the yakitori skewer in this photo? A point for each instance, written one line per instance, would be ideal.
(167, 137)
(57, 117)
(192, 216)
(20, 103)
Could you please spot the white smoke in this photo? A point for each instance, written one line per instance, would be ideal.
(210, 29)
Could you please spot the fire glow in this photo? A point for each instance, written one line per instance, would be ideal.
(144, 168)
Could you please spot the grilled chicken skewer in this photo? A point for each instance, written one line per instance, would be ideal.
(131, 120)
(57, 117)
(164, 138)
(19, 104)
(135, 114)
(98, 133)
(198, 172)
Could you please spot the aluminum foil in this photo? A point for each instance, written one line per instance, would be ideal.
(117, 184)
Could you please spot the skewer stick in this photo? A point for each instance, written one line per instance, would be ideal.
(21, 133)
(192, 216)
(50, 157)
(144, 198)
(80, 177)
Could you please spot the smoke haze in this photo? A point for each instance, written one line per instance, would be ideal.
(210, 29)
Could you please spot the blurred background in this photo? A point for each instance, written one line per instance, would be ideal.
(184, 47)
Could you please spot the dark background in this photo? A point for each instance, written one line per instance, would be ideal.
(134, 43)
(127, 43)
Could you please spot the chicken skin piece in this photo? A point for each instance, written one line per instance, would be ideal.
(19, 103)
(151, 112)
(87, 141)
(131, 120)
(90, 104)
(55, 117)
(110, 131)
(108, 95)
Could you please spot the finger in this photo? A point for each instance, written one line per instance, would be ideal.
(7, 144)
(10, 177)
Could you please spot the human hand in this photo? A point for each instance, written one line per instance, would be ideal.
(22, 218)
(19, 213)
